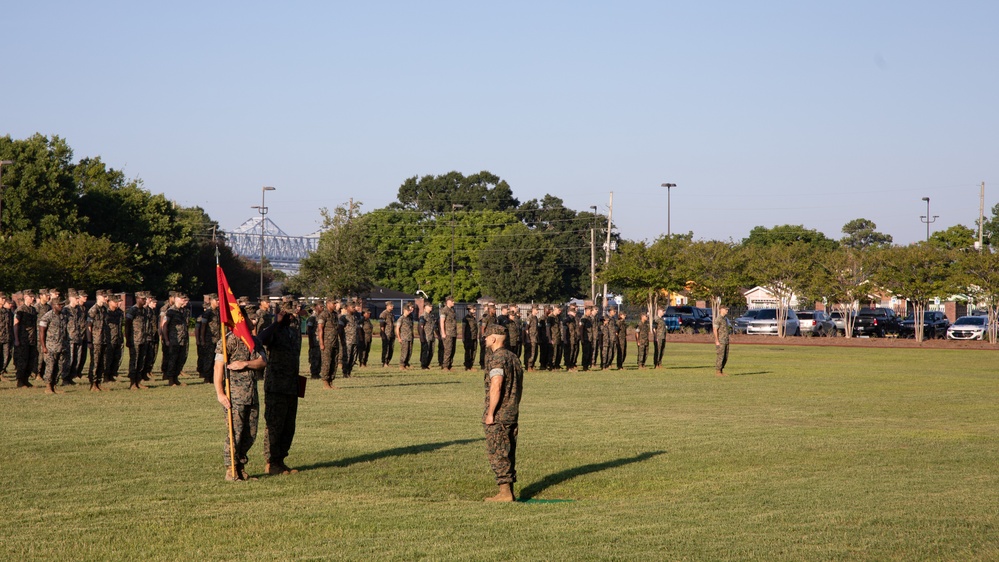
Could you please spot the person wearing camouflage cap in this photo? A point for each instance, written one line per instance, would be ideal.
(207, 334)
(135, 340)
(53, 341)
(6, 331)
(116, 342)
(99, 336)
(25, 339)
(175, 346)
(283, 341)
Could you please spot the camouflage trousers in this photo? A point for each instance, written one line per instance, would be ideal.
(315, 361)
(570, 350)
(544, 354)
(721, 356)
(348, 358)
(659, 347)
(363, 352)
(330, 359)
(450, 343)
(587, 355)
(555, 359)
(113, 361)
(643, 353)
(137, 361)
(244, 430)
(153, 349)
(469, 346)
(6, 355)
(77, 358)
(174, 357)
(530, 354)
(206, 361)
(280, 413)
(56, 365)
(622, 353)
(405, 353)
(482, 353)
(426, 354)
(501, 450)
(388, 348)
(98, 363)
(607, 359)
(25, 359)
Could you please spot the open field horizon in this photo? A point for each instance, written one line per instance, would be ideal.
(803, 453)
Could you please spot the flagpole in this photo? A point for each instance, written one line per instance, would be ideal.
(228, 390)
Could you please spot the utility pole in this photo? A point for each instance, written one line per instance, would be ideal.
(593, 256)
(607, 246)
(669, 227)
(981, 219)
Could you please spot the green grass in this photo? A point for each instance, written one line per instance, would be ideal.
(804, 453)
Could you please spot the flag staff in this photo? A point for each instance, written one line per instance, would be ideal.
(225, 367)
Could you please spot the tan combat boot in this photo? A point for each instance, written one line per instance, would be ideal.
(505, 494)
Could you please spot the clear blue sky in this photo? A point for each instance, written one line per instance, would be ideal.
(763, 113)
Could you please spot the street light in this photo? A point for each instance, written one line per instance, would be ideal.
(453, 207)
(927, 218)
(593, 257)
(2, 163)
(262, 208)
(669, 229)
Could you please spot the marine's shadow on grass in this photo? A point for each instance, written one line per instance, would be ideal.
(389, 453)
(748, 373)
(566, 475)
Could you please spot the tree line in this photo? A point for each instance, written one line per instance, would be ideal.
(84, 224)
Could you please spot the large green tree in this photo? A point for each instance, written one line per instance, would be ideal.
(437, 195)
(918, 272)
(519, 266)
(977, 275)
(40, 192)
(782, 269)
(786, 235)
(342, 265)
(863, 233)
(957, 237)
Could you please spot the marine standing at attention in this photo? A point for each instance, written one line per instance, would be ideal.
(504, 385)
(721, 329)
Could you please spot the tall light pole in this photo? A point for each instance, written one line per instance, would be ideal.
(262, 208)
(669, 229)
(2, 164)
(593, 256)
(927, 219)
(454, 206)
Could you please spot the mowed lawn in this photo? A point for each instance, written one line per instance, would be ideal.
(804, 453)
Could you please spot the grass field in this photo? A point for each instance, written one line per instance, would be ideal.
(804, 453)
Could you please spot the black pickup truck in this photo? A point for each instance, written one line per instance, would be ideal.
(935, 325)
(876, 322)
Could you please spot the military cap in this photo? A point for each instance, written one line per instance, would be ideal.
(207, 297)
(287, 298)
(243, 300)
(181, 296)
(115, 297)
(27, 293)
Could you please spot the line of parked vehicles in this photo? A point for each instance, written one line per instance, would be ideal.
(870, 322)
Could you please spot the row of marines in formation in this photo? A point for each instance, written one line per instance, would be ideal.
(546, 338)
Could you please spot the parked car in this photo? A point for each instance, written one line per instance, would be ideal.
(690, 317)
(765, 323)
(742, 322)
(935, 325)
(969, 328)
(839, 319)
(875, 322)
(816, 323)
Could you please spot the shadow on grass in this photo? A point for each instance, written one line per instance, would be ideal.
(566, 475)
(400, 384)
(388, 453)
(752, 373)
(677, 368)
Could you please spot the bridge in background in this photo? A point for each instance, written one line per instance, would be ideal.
(282, 251)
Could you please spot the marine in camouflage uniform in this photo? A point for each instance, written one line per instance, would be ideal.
(721, 329)
(585, 339)
(349, 327)
(54, 341)
(116, 342)
(622, 339)
(135, 340)
(386, 329)
(177, 339)
(608, 335)
(404, 332)
(41, 307)
(570, 345)
(488, 318)
(428, 332)
(514, 327)
(151, 335)
(328, 328)
(207, 334)
(25, 339)
(243, 367)
(76, 324)
(367, 334)
(6, 332)
(283, 341)
(161, 328)
(642, 331)
(312, 333)
(264, 316)
(504, 385)
(449, 332)
(469, 336)
(100, 340)
(658, 339)
(531, 328)
(554, 323)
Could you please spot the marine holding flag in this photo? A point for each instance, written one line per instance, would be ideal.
(237, 368)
